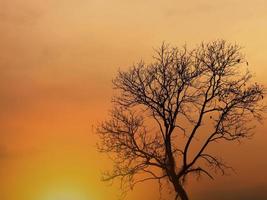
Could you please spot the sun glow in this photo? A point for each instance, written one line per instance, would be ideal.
(65, 194)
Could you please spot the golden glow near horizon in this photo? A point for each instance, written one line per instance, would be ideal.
(57, 60)
(64, 193)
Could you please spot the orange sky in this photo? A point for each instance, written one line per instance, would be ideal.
(57, 59)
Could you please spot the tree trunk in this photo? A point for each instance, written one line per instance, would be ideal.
(180, 192)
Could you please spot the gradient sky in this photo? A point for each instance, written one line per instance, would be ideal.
(57, 60)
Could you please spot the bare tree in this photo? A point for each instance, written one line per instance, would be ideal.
(161, 109)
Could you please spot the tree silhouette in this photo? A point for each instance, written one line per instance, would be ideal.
(166, 114)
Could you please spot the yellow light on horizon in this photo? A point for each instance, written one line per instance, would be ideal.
(65, 194)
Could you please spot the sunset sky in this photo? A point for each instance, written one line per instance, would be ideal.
(57, 60)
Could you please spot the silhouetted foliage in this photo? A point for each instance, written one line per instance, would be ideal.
(161, 108)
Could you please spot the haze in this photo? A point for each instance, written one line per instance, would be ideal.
(57, 60)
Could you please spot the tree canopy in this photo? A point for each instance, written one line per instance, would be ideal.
(163, 107)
